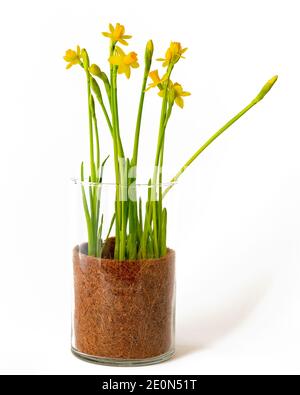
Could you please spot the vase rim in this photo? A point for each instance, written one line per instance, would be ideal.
(85, 183)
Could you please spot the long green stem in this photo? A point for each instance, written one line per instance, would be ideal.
(118, 154)
(260, 96)
(98, 94)
(92, 239)
(139, 117)
(147, 224)
(95, 124)
(120, 164)
(92, 163)
(162, 128)
(116, 160)
(97, 187)
(85, 205)
(157, 220)
(106, 115)
(111, 226)
(134, 212)
(116, 111)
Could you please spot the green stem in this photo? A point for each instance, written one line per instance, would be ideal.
(106, 86)
(145, 234)
(208, 143)
(134, 224)
(162, 127)
(95, 123)
(99, 238)
(86, 210)
(139, 118)
(118, 153)
(102, 105)
(264, 91)
(111, 226)
(116, 111)
(160, 144)
(164, 233)
(95, 189)
(93, 221)
(92, 163)
(93, 236)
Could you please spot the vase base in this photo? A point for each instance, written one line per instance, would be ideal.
(123, 362)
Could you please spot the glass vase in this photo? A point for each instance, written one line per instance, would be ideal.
(124, 273)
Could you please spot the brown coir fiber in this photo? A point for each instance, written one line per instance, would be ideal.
(123, 309)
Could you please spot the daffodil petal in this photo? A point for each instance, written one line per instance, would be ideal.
(115, 60)
(179, 101)
(121, 41)
(122, 69)
(150, 87)
(120, 51)
(164, 78)
(128, 72)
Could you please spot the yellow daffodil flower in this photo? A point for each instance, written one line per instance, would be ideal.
(176, 94)
(117, 34)
(124, 62)
(73, 57)
(173, 54)
(157, 81)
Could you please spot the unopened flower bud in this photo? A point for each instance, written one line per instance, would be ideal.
(267, 87)
(85, 59)
(149, 53)
(95, 70)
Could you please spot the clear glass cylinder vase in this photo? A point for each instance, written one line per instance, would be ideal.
(123, 254)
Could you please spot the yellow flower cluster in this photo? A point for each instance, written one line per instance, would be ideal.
(126, 62)
(175, 91)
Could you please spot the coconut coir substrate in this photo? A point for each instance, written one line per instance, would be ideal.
(123, 309)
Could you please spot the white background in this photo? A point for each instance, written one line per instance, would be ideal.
(239, 273)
